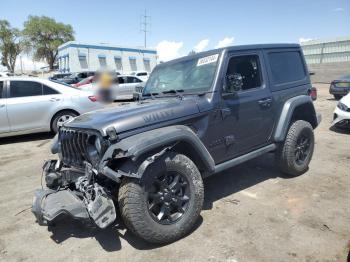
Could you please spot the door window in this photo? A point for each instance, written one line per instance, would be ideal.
(25, 88)
(247, 67)
(49, 91)
(131, 79)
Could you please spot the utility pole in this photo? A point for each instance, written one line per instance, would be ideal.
(145, 23)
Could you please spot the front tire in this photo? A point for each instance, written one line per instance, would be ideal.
(165, 204)
(295, 154)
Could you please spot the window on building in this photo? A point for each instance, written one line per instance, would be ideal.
(83, 62)
(147, 65)
(133, 65)
(118, 63)
(248, 67)
(286, 67)
(25, 88)
(103, 61)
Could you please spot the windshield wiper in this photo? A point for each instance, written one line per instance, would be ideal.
(174, 91)
(151, 94)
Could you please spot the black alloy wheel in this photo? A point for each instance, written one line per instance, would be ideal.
(168, 198)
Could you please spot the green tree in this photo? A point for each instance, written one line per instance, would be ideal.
(44, 35)
(10, 45)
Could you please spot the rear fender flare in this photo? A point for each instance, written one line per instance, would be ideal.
(287, 114)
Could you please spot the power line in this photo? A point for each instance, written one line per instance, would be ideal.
(145, 24)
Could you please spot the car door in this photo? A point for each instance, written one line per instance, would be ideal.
(4, 123)
(27, 106)
(125, 87)
(248, 114)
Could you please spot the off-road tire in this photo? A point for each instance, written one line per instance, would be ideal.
(134, 210)
(54, 127)
(285, 154)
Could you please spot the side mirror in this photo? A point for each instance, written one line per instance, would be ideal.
(234, 83)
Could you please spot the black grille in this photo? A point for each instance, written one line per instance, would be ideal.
(74, 146)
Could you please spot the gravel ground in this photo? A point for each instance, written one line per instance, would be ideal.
(251, 212)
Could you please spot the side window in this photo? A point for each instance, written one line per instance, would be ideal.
(286, 67)
(1, 89)
(25, 88)
(132, 80)
(248, 67)
(49, 91)
(121, 80)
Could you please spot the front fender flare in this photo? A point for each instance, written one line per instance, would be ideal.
(135, 146)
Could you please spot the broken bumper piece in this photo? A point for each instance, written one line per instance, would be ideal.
(50, 205)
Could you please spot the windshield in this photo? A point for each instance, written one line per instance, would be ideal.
(193, 75)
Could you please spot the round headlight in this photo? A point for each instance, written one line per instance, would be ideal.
(94, 149)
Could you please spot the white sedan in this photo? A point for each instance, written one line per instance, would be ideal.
(341, 116)
(30, 105)
(123, 87)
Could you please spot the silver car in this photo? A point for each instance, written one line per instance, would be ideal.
(30, 105)
(123, 88)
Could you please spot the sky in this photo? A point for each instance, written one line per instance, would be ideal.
(177, 27)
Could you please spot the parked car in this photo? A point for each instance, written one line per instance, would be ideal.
(77, 77)
(123, 88)
(143, 75)
(86, 81)
(5, 74)
(341, 115)
(199, 115)
(340, 87)
(59, 76)
(30, 105)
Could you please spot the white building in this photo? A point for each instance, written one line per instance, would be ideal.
(322, 51)
(74, 56)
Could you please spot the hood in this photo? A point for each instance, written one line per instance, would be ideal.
(136, 114)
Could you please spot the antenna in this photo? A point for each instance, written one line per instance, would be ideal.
(145, 23)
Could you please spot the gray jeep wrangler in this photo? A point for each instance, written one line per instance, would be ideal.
(196, 116)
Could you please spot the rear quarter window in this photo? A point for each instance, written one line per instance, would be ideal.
(286, 67)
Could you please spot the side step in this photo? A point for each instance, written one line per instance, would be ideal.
(243, 158)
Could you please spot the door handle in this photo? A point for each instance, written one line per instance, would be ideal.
(2, 106)
(54, 99)
(265, 102)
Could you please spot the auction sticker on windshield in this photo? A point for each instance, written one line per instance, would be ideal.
(207, 60)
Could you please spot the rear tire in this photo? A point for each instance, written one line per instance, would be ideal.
(337, 97)
(295, 153)
(60, 118)
(160, 216)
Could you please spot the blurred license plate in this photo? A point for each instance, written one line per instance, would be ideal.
(342, 84)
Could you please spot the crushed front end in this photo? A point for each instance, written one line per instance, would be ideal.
(75, 187)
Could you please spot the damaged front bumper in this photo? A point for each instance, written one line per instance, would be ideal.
(73, 194)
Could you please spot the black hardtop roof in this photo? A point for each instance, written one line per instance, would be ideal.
(233, 48)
